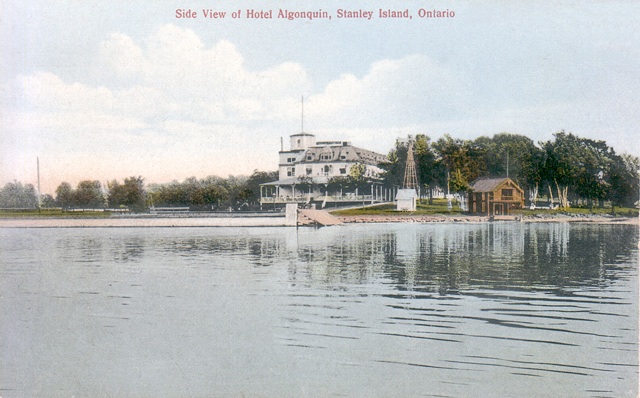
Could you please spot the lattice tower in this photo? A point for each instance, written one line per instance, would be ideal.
(410, 176)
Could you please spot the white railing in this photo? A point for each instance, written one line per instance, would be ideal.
(328, 198)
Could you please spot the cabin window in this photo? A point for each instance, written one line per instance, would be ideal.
(507, 194)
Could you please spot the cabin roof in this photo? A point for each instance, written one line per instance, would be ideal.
(491, 184)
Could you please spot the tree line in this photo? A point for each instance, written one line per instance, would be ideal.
(211, 193)
(567, 170)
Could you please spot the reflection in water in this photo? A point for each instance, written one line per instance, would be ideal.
(455, 310)
(435, 258)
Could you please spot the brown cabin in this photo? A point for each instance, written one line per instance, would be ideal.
(495, 196)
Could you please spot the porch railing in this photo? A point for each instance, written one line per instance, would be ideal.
(329, 198)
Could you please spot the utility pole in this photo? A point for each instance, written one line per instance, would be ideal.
(39, 194)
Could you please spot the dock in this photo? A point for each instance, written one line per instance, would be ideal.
(316, 217)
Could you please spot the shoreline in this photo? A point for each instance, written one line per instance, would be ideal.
(142, 222)
(483, 219)
(150, 222)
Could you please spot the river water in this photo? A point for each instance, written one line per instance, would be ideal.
(375, 310)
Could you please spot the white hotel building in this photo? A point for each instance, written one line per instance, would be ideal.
(306, 169)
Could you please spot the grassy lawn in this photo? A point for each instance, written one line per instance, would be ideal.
(54, 214)
(439, 206)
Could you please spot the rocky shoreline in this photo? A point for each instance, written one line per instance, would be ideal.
(560, 218)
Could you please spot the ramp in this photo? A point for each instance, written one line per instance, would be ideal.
(316, 217)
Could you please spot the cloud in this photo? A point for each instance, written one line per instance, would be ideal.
(121, 56)
(393, 92)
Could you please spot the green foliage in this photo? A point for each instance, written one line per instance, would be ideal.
(64, 195)
(89, 194)
(393, 168)
(15, 195)
(252, 189)
(590, 170)
(130, 194)
(212, 192)
(512, 154)
(577, 168)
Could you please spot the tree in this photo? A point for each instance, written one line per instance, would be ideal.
(340, 184)
(588, 170)
(393, 167)
(255, 180)
(512, 155)
(65, 195)
(16, 195)
(47, 200)
(88, 194)
(464, 161)
(562, 157)
(624, 181)
(130, 194)
(430, 170)
(357, 178)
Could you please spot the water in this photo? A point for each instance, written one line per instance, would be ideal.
(386, 310)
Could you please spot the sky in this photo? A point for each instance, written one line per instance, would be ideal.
(104, 90)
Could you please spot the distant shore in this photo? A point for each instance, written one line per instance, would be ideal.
(239, 221)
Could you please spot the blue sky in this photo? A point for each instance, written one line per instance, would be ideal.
(104, 90)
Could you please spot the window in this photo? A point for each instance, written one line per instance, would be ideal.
(343, 170)
(291, 160)
(309, 171)
(507, 194)
(291, 171)
(309, 157)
